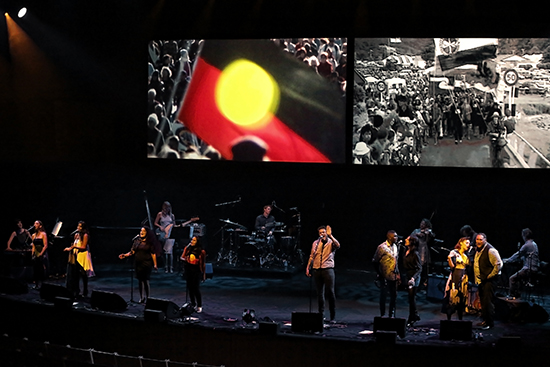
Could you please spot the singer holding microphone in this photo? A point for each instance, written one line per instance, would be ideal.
(385, 263)
(321, 267)
(413, 268)
(80, 261)
(39, 252)
(194, 258)
(425, 241)
(145, 249)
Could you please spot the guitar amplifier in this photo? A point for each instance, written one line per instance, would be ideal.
(197, 229)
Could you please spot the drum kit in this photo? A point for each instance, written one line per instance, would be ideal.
(258, 248)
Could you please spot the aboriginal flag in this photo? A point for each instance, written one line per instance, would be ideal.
(253, 90)
(455, 52)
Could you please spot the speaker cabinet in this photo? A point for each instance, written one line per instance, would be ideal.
(436, 287)
(169, 308)
(49, 291)
(108, 301)
(13, 286)
(153, 316)
(269, 328)
(209, 271)
(455, 330)
(386, 337)
(390, 324)
(308, 322)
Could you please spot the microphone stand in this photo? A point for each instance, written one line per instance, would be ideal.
(132, 271)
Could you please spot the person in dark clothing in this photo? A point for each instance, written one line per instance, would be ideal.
(194, 258)
(487, 265)
(413, 268)
(145, 249)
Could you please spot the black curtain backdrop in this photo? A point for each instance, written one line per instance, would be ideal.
(73, 146)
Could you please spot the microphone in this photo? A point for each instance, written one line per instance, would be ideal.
(136, 236)
(273, 203)
(73, 232)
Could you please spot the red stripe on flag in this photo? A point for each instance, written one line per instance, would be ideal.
(202, 117)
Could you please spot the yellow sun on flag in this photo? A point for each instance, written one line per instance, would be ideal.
(246, 94)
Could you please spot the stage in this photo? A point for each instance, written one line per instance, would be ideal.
(274, 296)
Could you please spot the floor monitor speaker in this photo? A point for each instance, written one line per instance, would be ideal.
(49, 291)
(169, 308)
(310, 322)
(390, 324)
(108, 301)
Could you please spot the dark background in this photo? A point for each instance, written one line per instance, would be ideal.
(73, 113)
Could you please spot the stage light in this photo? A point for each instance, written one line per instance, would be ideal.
(22, 12)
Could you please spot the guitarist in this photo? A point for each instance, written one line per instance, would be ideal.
(164, 222)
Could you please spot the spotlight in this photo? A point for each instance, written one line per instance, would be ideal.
(22, 12)
(249, 316)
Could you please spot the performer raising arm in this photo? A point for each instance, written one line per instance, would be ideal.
(321, 261)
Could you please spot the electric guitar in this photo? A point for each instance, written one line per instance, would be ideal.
(168, 229)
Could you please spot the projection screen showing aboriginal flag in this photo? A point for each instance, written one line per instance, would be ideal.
(254, 100)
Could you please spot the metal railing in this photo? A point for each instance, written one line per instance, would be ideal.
(525, 153)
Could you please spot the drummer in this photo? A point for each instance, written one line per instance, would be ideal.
(265, 222)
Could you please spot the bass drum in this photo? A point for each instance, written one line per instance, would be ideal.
(248, 254)
(287, 244)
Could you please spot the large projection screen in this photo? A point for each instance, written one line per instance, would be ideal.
(451, 102)
(278, 100)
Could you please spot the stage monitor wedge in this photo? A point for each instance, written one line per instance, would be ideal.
(108, 301)
(169, 308)
(390, 324)
(308, 322)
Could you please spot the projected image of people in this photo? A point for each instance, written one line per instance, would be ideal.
(451, 102)
(277, 100)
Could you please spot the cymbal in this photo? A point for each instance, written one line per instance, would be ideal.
(278, 224)
(229, 222)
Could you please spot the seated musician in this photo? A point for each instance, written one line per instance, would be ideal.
(265, 222)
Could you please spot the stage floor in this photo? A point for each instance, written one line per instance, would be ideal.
(275, 298)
